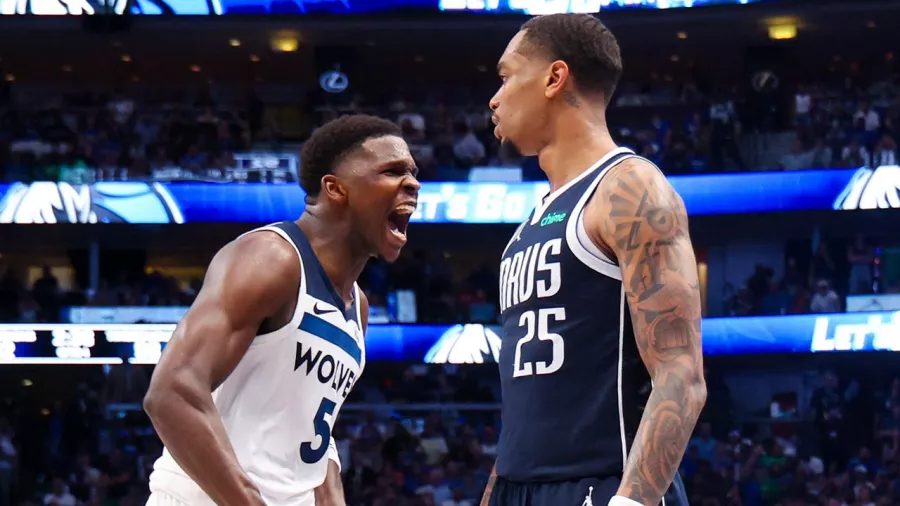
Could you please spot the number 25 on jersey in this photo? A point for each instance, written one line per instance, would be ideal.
(537, 324)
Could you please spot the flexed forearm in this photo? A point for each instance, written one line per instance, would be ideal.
(669, 418)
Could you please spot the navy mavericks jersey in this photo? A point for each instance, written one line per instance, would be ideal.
(571, 377)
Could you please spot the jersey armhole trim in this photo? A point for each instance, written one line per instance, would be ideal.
(577, 237)
(358, 303)
(301, 291)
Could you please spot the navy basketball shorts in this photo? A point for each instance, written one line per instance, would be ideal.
(578, 492)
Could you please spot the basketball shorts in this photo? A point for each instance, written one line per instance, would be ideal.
(578, 492)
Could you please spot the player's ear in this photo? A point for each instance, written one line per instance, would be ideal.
(556, 79)
(333, 188)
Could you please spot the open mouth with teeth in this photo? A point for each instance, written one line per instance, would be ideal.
(398, 220)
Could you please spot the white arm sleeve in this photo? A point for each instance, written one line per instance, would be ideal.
(333, 454)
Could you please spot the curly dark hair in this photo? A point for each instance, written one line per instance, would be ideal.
(329, 144)
(584, 43)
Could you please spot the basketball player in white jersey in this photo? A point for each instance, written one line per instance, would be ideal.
(247, 390)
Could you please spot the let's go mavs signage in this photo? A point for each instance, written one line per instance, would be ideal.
(200, 202)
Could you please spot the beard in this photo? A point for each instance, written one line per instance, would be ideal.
(509, 151)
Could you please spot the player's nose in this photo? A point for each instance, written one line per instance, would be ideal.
(495, 101)
(411, 186)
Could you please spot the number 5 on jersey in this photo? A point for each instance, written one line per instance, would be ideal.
(311, 455)
(540, 321)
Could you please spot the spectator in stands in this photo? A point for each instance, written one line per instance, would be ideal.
(861, 257)
(885, 152)
(126, 383)
(119, 475)
(828, 415)
(481, 310)
(436, 488)
(822, 265)
(822, 155)
(8, 461)
(799, 158)
(705, 443)
(723, 118)
(854, 155)
(46, 293)
(59, 494)
(802, 106)
(85, 480)
(870, 118)
(777, 301)
(29, 309)
(457, 499)
(824, 299)
(467, 149)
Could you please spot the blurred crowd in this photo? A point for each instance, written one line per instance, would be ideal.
(443, 289)
(819, 283)
(97, 448)
(682, 127)
(848, 124)
(86, 136)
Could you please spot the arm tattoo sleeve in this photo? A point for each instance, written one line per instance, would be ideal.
(644, 223)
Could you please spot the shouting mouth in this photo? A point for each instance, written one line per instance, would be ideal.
(398, 221)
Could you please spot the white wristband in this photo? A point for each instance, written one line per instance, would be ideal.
(623, 501)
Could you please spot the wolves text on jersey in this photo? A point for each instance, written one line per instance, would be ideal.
(327, 369)
(535, 270)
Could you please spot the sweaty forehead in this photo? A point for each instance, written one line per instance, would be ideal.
(518, 52)
(379, 152)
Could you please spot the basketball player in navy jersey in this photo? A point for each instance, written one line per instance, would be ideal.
(599, 290)
(246, 392)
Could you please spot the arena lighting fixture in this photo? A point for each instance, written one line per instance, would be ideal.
(285, 42)
(782, 28)
(681, 35)
(234, 43)
(782, 32)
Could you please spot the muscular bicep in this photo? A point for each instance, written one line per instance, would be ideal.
(640, 218)
(247, 282)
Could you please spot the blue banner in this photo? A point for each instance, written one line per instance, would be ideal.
(802, 333)
(245, 7)
(457, 344)
(162, 203)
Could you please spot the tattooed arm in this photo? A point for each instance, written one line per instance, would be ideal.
(637, 217)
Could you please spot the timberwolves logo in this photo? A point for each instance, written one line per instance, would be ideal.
(465, 344)
(47, 202)
(871, 189)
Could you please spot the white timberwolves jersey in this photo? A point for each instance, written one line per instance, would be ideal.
(280, 403)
